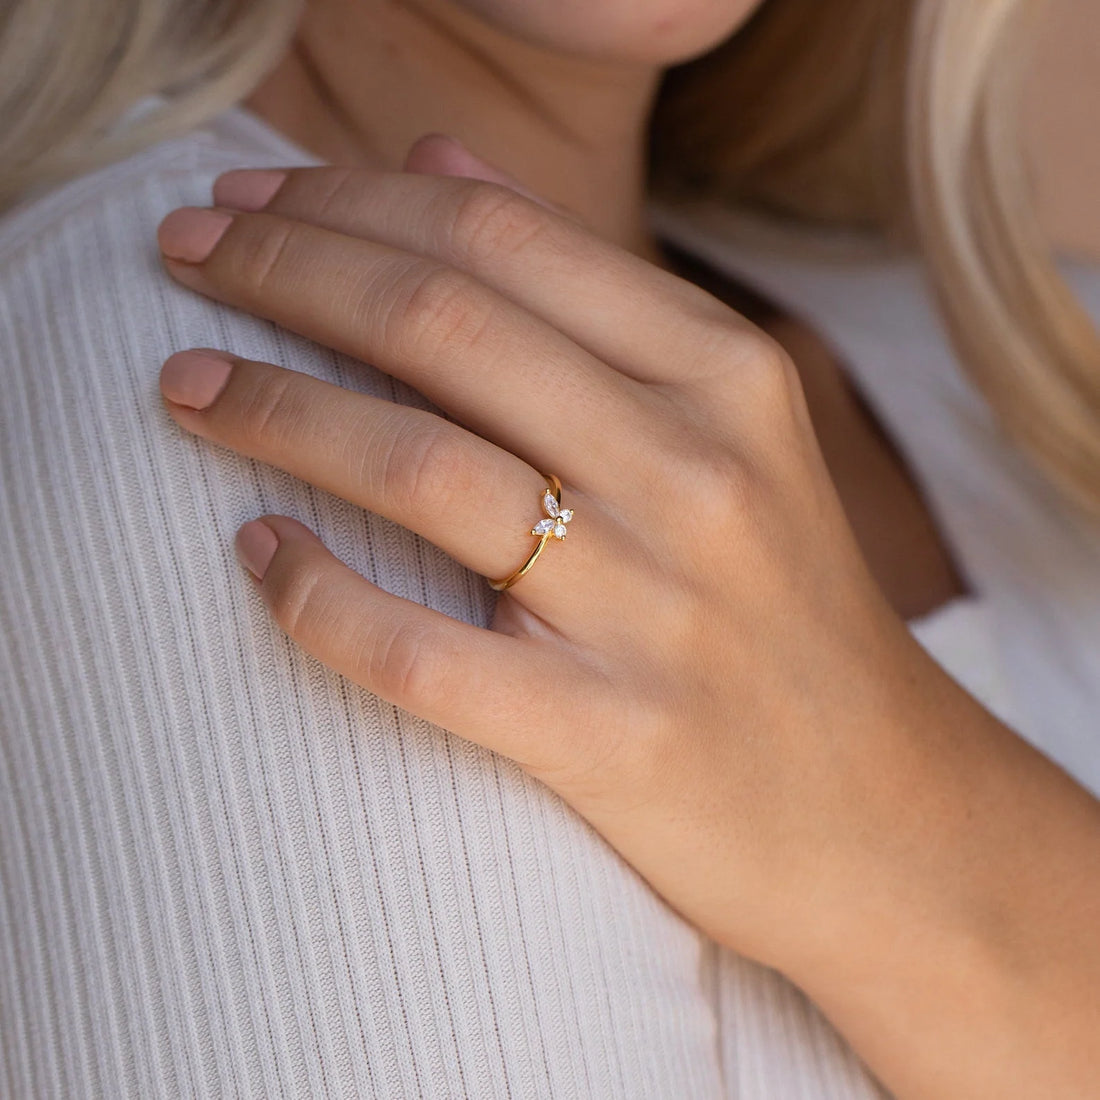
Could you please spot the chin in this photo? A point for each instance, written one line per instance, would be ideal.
(651, 32)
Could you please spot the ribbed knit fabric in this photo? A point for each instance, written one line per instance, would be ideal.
(224, 870)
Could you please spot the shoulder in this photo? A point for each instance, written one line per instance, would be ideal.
(146, 184)
(92, 240)
(80, 274)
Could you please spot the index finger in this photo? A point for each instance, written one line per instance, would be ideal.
(630, 314)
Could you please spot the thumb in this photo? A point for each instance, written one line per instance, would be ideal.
(443, 155)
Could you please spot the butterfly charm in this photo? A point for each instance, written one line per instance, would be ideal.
(559, 517)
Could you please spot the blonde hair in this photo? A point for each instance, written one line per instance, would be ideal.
(898, 115)
(70, 71)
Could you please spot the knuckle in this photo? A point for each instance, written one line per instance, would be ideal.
(407, 664)
(726, 492)
(338, 193)
(269, 408)
(425, 468)
(296, 599)
(492, 220)
(770, 378)
(759, 374)
(713, 487)
(440, 310)
(262, 255)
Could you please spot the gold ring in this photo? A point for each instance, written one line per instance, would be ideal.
(551, 527)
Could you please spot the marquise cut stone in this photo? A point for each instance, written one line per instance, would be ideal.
(550, 504)
(543, 526)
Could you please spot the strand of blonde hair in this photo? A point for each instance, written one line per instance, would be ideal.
(69, 70)
(1020, 332)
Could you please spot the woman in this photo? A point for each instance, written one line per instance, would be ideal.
(230, 870)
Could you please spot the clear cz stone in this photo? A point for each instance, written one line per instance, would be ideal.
(566, 515)
(543, 526)
(550, 504)
(560, 531)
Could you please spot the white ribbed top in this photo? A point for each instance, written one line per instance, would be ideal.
(226, 872)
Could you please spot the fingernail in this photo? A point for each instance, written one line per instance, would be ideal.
(195, 378)
(247, 188)
(190, 233)
(256, 545)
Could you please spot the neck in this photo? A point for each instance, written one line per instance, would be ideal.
(363, 80)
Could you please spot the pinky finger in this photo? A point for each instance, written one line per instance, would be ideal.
(480, 684)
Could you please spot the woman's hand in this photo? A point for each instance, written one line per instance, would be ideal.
(704, 668)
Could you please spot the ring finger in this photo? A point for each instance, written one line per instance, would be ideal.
(474, 500)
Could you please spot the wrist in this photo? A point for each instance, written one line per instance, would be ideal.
(954, 944)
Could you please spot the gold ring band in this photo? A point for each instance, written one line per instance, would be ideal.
(551, 527)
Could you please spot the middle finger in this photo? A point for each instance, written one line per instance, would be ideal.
(543, 261)
(503, 372)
